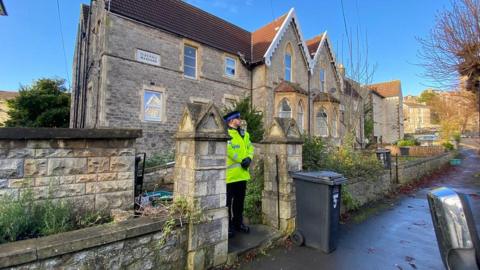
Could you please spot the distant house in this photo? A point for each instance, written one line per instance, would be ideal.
(416, 116)
(4, 96)
(387, 104)
(138, 63)
(3, 11)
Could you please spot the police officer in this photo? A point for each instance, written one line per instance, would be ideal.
(239, 157)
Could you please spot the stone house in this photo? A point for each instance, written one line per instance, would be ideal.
(386, 102)
(137, 63)
(416, 116)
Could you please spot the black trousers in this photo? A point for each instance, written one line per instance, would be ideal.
(235, 200)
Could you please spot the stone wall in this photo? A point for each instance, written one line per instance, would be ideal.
(132, 244)
(92, 168)
(158, 176)
(369, 190)
(419, 151)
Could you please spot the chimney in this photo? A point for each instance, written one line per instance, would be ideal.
(341, 69)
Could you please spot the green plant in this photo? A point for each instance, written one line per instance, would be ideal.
(158, 159)
(17, 218)
(448, 146)
(350, 203)
(182, 212)
(253, 197)
(318, 155)
(23, 218)
(407, 142)
(456, 136)
(55, 217)
(46, 103)
(251, 115)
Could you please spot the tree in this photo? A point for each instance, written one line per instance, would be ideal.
(452, 51)
(45, 103)
(251, 115)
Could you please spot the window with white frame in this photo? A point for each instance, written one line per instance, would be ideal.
(322, 80)
(230, 65)
(321, 123)
(300, 115)
(284, 110)
(288, 67)
(190, 61)
(153, 106)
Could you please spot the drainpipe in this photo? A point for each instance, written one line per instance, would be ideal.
(308, 100)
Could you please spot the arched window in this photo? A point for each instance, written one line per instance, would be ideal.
(322, 123)
(300, 116)
(288, 63)
(334, 123)
(284, 109)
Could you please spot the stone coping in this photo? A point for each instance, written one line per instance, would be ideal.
(412, 163)
(67, 133)
(30, 250)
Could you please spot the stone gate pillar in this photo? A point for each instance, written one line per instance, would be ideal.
(283, 154)
(199, 177)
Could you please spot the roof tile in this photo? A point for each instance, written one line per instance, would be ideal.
(387, 89)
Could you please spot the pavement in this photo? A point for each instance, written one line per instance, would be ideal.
(396, 234)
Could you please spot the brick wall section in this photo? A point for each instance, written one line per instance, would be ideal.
(132, 244)
(94, 169)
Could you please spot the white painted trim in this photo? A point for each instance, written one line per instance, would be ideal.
(278, 37)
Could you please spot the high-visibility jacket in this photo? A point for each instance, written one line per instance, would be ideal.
(238, 148)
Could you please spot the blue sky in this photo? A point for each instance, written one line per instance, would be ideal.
(31, 45)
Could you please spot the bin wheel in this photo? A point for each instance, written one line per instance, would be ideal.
(297, 238)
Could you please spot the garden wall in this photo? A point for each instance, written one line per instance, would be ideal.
(132, 244)
(368, 190)
(93, 168)
(419, 151)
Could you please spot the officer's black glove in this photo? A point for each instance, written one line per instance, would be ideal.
(246, 162)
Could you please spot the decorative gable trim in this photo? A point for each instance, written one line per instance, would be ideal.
(326, 42)
(278, 37)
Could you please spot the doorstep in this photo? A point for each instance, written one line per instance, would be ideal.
(260, 237)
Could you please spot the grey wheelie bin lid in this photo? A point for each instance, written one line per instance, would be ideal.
(321, 177)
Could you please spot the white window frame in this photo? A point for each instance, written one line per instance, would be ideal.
(196, 61)
(319, 127)
(281, 112)
(157, 90)
(288, 69)
(322, 79)
(225, 71)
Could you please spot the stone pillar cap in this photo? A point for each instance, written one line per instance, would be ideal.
(283, 130)
(202, 122)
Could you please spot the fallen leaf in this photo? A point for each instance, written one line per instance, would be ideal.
(399, 267)
(371, 250)
(409, 259)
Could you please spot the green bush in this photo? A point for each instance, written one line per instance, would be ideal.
(159, 159)
(24, 218)
(448, 146)
(253, 197)
(407, 142)
(253, 118)
(318, 155)
(456, 136)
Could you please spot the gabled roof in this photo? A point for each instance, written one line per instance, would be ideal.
(291, 18)
(350, 89)
(263, 37)
(181, 18)
(325, 97)
(285, 86)
(314, 43)
(3, 11)
(387, 89)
